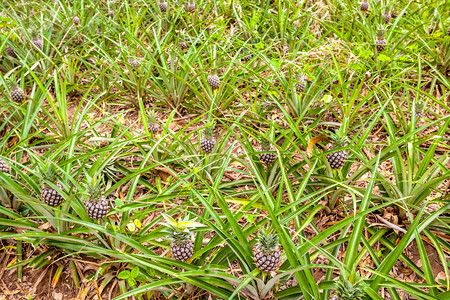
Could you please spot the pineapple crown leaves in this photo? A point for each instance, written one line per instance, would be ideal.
(12, 84)
(209, 130)
(267, 241)
(419, 105)
(93, 188)
(265, 141)
(381, 34)
(387, 10)
(345, 290)
(179, 231)
(338, 140)
(48, 172)
(34, 33)
(152, 117)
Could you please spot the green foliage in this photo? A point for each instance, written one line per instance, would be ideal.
(88, 111)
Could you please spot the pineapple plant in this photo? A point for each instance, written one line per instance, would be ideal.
(267, 255)
(337, 159)
(207, 143)
(364, 6)
(96, 205)
(345, 290)
(49, 195)
(267, 158)
(153, 125)
(36, 39)
(191, 6)
(214, 81)
(381, 42)
(11, 52)
(162, 6)
(4, 167)
(301, 84)
(16, 93)
(387, 15)
(76, 20)
(182, 247)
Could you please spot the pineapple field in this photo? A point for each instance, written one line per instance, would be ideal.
(225, 149)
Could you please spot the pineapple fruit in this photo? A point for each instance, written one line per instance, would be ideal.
(381, 42)
(394, 14)
(387, 15)
(4, 167)
(364, 6)
(214, 81)
(96, 205)
(162, 6)
(301, 84)
(182, 247)
(36, 40)
(16, 93)
(191, 7)
(76, 20)
(153, 125)
(134, 63)
(267, 158)
(10, 51)
(286, 50)
(337, 159)
(207, 143)
(183, 45)
(49, 195)
(267, 255)
(247, 58)
(111, 14)
(448, 32)
(418, 107)
(345, 290)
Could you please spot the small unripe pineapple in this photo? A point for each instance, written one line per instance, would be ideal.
(301, 84)
(76, 20)
(152, 124)
(49, 195)
(267, 158)
(4, 167)
(285, 50)
(162, 6)
(247, 57)
(36, 40)
(337, 159)
(364, 6)
(381, 42)
(418, 107)
(394, 14)
(207, 143)
(448, 32)
(16, 93)
(111, 14)
(134, 63)
(176, 64)
(214, 81)
(183, 45)
(10, 51)
(191, 7)
(387, 15)
(96, 205)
